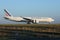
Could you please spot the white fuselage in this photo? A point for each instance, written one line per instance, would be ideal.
(38, 20)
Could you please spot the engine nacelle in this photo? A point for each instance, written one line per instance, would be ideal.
(35, 21)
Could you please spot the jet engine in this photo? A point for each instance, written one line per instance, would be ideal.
(35, 21)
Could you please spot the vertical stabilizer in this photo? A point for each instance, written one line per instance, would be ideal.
(6, 13)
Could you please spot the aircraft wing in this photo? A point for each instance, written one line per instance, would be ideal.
(28, 19)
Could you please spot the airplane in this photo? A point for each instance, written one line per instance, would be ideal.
(28, 20)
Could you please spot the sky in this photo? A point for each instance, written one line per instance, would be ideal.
(33, 8)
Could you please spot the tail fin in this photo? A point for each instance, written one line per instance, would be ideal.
(6, 13)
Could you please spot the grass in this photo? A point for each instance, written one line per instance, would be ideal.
(33, 27)
(30, 27)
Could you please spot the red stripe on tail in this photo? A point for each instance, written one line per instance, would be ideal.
(7, 14)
